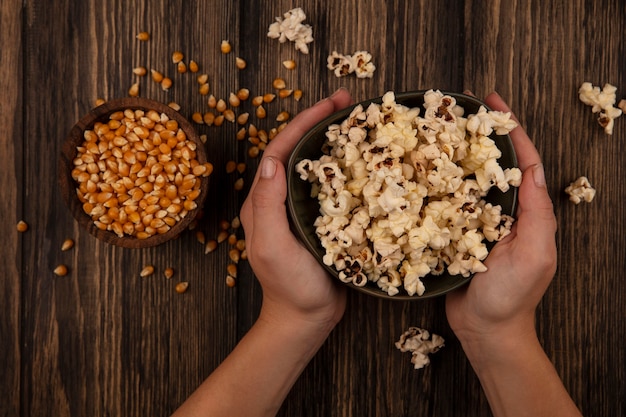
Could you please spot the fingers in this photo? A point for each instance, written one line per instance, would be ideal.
(267, 204)
(536, 212)
(284, 143)
(527, 154)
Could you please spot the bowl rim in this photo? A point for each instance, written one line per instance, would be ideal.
(293, 178)
(68, 152)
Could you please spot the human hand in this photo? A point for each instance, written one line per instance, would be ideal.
(294, 284)
(501, 302)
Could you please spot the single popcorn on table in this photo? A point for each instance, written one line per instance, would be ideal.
(360, 63)
(401, 196)
(580, 190)
(421, 344)
(291, 28)
(601, 102)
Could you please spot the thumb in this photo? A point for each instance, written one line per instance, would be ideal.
(536, 212)
(268, 202)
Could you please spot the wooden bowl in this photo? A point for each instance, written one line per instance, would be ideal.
(69, 153)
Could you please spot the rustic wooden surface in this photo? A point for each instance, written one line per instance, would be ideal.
(103, 341)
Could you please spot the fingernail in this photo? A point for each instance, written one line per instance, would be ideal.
(539, 175)
(268, 167)
(339, 90)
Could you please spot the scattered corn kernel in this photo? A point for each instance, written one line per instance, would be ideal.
(60, 270)
(204, 89)
(212, 101)
(221, 105)
(284, 93)
(22, 226)
(289, 64)
(177, 57)
(181, 67)
(202, 79)
(225, 47)
(174, 105)
(133, 91)
(297, 95)
(282, 116)
(141, 71)
(260, 112)
(219, 120)
(269, 97)
(238, 184)
(157, 76)
(193, 66)
(243, 93)
(197, 117)
(166, 83)
(67, 245)
(234, 100)
(208, 118)
(147, 271)
(234, 255)
(100, 102)
(210, 246)
(240, 63)
(143, 36)
(200, 237)
(222, 236)
(230, 167)
(169, 273)
(279, 83)
(181, 287)
(230, 281)
(253, 151)
(257, 101)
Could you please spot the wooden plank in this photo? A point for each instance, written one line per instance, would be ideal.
(11, 204)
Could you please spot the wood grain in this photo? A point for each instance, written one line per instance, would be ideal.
(103, 341)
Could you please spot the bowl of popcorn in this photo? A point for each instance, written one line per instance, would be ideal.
(133, 172)
(403, 196)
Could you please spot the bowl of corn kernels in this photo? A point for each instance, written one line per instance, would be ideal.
(134, 172)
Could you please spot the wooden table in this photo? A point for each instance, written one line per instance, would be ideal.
(104, 341)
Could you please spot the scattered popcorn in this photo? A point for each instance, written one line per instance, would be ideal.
(401, 195)
(291, 28)
(601, 102)
(359, 63)
(580, 190)
(420, 344)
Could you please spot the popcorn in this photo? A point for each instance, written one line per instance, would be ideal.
(360, 63)
(291, 28)
(420, 343)
(601, 102)
(401, 195)
(580, 190)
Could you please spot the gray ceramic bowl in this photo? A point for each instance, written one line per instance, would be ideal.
(303, 209)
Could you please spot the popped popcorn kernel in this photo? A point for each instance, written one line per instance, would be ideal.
(291, 28)
(360, 63)
(580, 190)
(420, 343)
(401, 195)
(601, 102)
